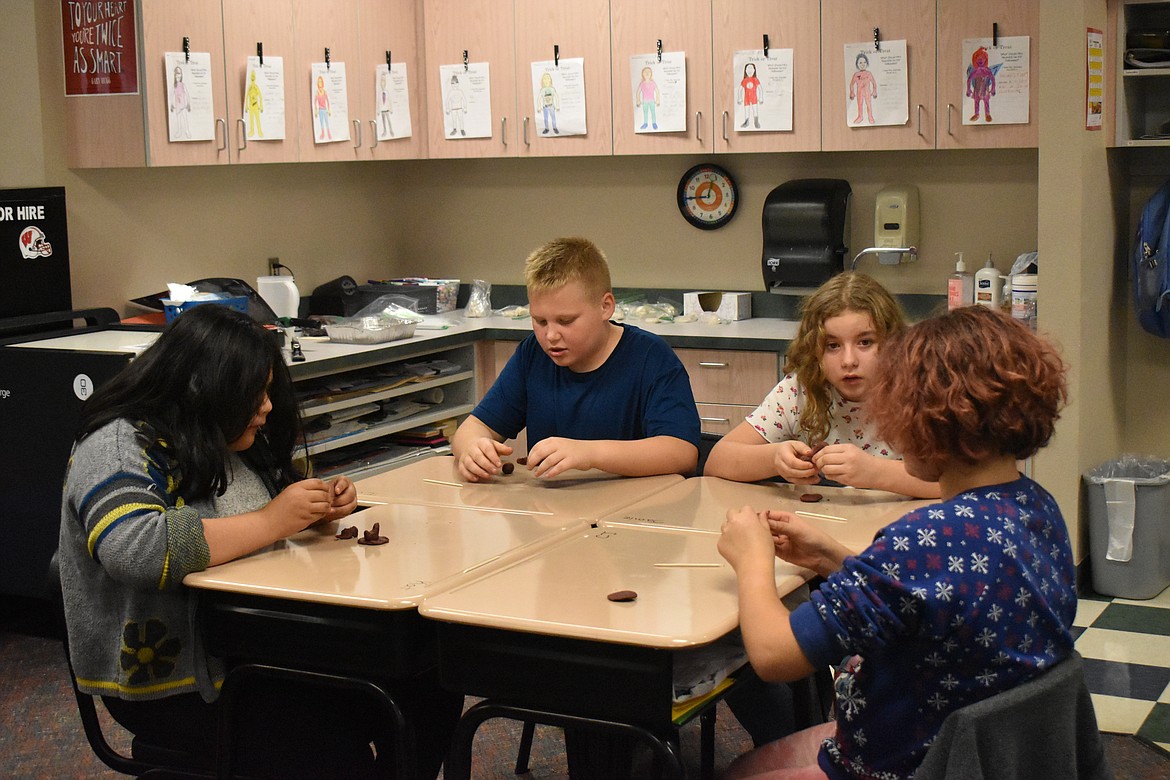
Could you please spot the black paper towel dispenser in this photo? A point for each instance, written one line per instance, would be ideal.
(806, 233)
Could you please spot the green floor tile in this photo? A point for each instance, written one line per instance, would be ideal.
(1156, 727)
(1129, 617)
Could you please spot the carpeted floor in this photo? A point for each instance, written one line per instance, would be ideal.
(41, 735)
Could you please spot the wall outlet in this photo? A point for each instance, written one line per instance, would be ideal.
(274, 266)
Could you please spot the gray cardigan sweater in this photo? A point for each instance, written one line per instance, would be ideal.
(127, 540)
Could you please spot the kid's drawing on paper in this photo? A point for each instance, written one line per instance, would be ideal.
(467, 100)
(660, 92)
(558, 91)
(264, 99)
(392, 98)
(190, 102)
(997, 73)
(876, 88)
(763, 90)
(330, 103)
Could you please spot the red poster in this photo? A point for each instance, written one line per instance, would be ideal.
(101, 47)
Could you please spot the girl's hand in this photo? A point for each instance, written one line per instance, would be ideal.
(847, 464)
(746, 539)
(299, 505)
(789, 460)
(343, 498)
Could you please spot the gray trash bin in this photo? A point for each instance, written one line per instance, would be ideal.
(1129, 526)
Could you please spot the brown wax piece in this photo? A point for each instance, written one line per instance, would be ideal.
(622, 595)
(522, 461)
(347, 533)
(815, 449)
(371, 536)
(508, 468)
(810, 498)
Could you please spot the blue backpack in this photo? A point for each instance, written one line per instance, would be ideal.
(1151, 264)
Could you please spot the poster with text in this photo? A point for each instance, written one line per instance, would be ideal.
(329, 102)
(876, 88)
(659, 86)
(392, 98)
(763, 90)
(1094, 78)
(100, 47)
(190, 100)
(264, 99)
(467, 100)
(558, 96)
(996, 81)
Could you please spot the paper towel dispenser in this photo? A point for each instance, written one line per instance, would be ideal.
(806, 233)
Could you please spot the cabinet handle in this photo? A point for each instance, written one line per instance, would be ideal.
(918, 119)
(526, 143)
(220, 122)
(243, 135)
(725, 138)
(950, 109)
(357, 130)
(504, 130)
(374, 133)
(699, 126)
(712, 365)
(715, 420)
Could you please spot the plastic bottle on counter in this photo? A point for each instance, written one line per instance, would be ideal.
(1024, 299)
(987, 286)
(960, 285)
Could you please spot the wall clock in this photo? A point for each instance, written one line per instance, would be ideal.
(707, 196)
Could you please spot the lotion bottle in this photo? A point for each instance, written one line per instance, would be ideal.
(960, 285)
(988, 286)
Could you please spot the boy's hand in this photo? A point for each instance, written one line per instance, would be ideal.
(746, 539)
(556, 454)
(482, 459)
(790, 459)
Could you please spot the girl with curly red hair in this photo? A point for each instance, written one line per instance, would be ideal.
(952, 604)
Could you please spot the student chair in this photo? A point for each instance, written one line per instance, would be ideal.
(1043, 728)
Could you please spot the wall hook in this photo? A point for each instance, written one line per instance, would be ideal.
(556, 56)
(766, 46)
(465, 60)
(260, 52)
(660, 50)
(877, 39)
(326, 58)
(994, 34)
(186, 48)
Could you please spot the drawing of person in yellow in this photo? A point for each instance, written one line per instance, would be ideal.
(254, 105)
(321, 103)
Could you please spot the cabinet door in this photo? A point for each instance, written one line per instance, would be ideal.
(741, 25)
(959, 20)
(393, 26)
(848, 21)
(318, 26)
(484, 29)
(682, 25)
(577, 29)
(244, 25)
(164, 25)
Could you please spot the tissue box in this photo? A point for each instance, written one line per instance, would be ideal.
(728, 305)
(172, 309)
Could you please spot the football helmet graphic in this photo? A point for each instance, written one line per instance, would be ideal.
(33, 243)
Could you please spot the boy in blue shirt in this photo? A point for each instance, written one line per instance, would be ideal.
(593, 394)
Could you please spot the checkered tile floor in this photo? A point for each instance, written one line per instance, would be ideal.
(1126, 646)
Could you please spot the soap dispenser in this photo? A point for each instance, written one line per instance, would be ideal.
(960, 285)
(987, 285)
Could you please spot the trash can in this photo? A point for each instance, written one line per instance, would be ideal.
(1129, 526)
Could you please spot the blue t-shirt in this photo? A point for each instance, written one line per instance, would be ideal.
(952, 604)
(641, 390)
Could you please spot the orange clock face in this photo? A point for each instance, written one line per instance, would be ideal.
(707, 196)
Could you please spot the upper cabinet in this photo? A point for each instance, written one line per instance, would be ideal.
(960, 124)
(328, 128)
(249, 28)
(550, 32)
(391, 28)
(682, 26)
(741, 25)
(850, 22)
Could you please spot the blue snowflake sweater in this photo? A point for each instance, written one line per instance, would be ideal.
(952, 604)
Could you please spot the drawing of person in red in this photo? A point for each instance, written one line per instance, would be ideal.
(863, 88)
(749, 95)
(981, 82)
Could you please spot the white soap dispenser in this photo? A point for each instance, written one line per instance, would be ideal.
(960, 285)
(987, 285)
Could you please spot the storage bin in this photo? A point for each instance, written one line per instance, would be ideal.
(172, 309)
(433, 296)
(1129, 527)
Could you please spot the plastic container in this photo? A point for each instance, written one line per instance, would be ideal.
(988, 284)
(1024, 298)
(1129, 527)
(281, 294)
(172, 309)
(381, 321)
(960, 285)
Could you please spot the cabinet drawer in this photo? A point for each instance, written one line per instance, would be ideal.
(721, 418)
(728, 376)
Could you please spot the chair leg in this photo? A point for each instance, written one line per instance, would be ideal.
(525, 747)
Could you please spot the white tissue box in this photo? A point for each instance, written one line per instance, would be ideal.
(727, 305)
